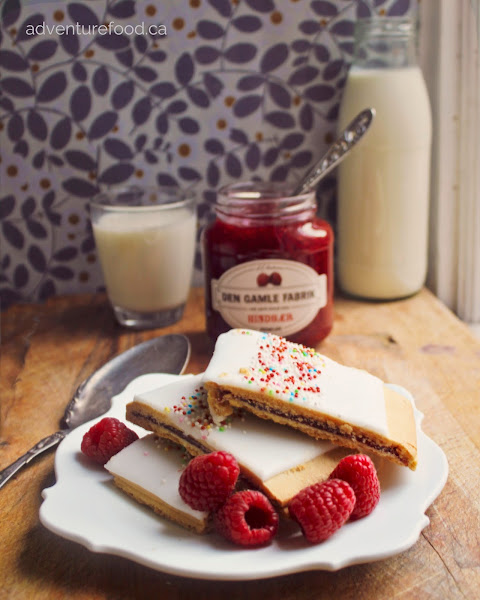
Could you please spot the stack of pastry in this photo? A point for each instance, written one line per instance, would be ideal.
(287, 413)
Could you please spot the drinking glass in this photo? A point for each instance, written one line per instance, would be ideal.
(145, 239)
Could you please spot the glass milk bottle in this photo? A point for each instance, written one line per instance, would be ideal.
(383, 187)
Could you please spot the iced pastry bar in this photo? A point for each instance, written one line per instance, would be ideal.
(149, 471)
(278, 460)
(290, 384)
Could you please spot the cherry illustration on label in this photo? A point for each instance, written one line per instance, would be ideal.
(276, 278)
(262, 279)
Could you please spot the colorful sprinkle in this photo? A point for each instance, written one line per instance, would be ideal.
(282, 367)
(194, 412)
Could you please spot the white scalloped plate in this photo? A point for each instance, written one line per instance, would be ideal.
(85, 506)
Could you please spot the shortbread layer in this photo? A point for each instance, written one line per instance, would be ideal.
(296, 386)
(276, 459)
(149, 471)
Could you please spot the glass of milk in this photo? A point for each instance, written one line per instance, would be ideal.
(145, 240)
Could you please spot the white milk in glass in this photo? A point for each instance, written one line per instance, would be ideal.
(383, 186)
(146, 257)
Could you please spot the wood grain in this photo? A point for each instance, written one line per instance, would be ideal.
(47, 350)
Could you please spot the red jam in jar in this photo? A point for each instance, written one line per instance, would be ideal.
(268, 263)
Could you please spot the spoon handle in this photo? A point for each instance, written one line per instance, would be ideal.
(41, 446)
(352, 134)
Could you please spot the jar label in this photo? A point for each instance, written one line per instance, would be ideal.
(275, 295)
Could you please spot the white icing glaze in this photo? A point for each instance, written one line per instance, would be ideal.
(155, 466)
(263, 447)
(260, 362)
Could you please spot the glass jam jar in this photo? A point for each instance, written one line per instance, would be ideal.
(268, 263)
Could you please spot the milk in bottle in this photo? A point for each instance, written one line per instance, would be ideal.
(383, 186)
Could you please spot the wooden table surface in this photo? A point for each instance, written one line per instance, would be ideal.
(47, 350)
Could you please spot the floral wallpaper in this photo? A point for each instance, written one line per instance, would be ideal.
(193, 93)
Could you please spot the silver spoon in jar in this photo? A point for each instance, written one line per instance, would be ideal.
(349, 137)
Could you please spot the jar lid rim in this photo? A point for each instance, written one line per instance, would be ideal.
(387, 25)
(245, 191)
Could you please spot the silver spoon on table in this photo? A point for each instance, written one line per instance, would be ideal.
(349, 138)
(164, 354)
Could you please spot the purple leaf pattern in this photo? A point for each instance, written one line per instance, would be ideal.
(209, 30)
(102, 124)
(61, 134)
(43, 50)
(247, 23)
(246, 89)
(80, 160)
(117, 173)
(80, 103)
(118, 149)
(10, 12)
(12, 61)
(79, 72)
(80, 187)
(37, 125)
(15, 127)
(82, 14)
(16, 87)
(113, 42)
(33, 21)
(274, 57)
(101, 81)
(70, 43)
(122, 94)
(123, 9)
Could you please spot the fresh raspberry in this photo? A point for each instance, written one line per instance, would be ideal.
(359, 471)
(322, 508)
(247, 518)
(208, 480)
(106, 438)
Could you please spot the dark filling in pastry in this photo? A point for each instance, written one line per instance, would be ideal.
(321, 426)
(180, 434)
(243, 482)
